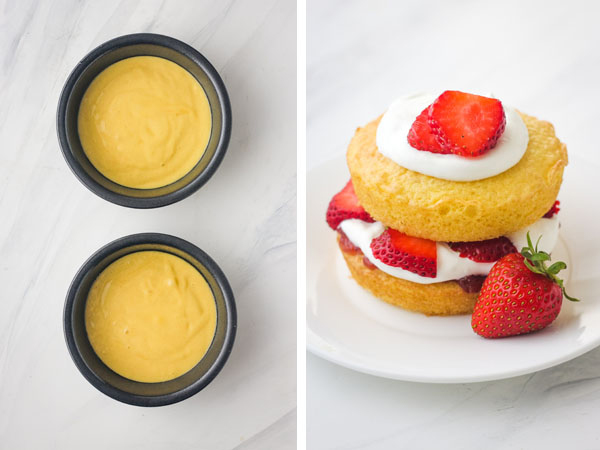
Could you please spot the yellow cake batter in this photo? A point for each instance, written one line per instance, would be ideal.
(150, 316)
(144, 122)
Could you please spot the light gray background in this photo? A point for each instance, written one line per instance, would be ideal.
(539, 56)
(244, 217)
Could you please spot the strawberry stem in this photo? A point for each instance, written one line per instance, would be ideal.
(535, 260)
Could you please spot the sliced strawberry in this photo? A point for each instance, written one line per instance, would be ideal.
(346, 244)
(471, 283)
(368, 264)
(421, 137)
(484, 251)
(466, 124)
(554, 210)
(410, 253)
(344, 205)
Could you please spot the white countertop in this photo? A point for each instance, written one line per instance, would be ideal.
(540, 57)
(244, 217)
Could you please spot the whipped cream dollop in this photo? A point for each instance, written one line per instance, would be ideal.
(450, 265)
(392, 142)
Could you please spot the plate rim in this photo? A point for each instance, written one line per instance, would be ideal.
(315, 350)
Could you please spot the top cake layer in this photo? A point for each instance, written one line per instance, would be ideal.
(442, 210)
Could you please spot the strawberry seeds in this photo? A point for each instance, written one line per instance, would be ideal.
(463, 124)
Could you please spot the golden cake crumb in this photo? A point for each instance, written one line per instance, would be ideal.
(443, 210)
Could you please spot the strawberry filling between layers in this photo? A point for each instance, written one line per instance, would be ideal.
(422, 260)
(468, 264)
(469, 284)
(348, 247)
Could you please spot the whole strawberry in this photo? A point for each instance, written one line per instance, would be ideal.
(520, 295)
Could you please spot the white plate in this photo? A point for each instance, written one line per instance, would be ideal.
(350, 327)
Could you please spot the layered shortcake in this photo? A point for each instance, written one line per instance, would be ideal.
(442, 187)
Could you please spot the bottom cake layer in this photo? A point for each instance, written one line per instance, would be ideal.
(438, 299)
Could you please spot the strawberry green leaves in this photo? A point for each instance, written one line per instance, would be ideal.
(535, 260)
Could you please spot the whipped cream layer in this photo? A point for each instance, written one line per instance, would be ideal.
(392, 142)
(450, 265)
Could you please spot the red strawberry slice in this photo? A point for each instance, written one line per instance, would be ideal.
(410, 253)
(344, 205)
(471, 283)
(466, 124)
(421, 137)
(368, 264)
(484, 251)
(346, 244)
(554, 210)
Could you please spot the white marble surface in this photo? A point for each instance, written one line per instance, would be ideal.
(539, 56)
(244, 218)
